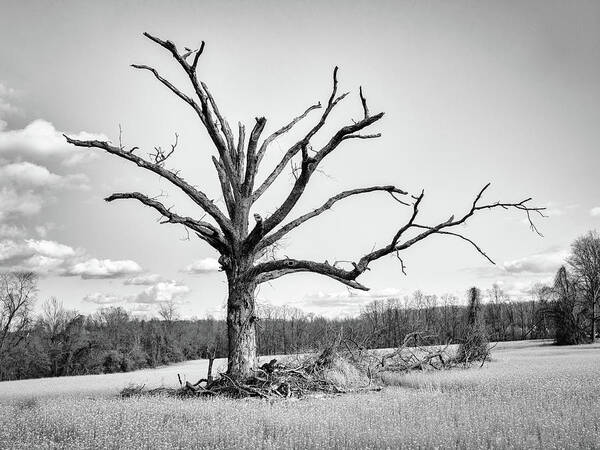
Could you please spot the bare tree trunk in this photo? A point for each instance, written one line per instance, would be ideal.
(241, 326)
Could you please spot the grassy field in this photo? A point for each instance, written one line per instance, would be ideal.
(533, 395)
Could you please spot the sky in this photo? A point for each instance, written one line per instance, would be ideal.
(473, 92)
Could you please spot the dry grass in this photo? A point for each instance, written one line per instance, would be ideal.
(529, 396)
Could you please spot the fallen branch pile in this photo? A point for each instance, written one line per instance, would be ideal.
(332, 371)
(326, 373)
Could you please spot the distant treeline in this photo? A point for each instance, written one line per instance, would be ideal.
(385, 323)
(61, 342)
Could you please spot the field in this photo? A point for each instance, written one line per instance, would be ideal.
(533, 395)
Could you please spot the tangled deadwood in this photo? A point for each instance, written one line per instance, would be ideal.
(325, 373)
(337, 369)
(416, 352)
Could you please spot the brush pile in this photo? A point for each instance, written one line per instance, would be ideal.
(326, 373)
(329, 372)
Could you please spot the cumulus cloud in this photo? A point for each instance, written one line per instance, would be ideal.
(28, 175)
(42, 230)
(144, 280)
(26, 187)
(50, 257)
(40, 140)
(595, 211)
(145, 301)
(50, 248)
(11, 231)
(547, 262)
(40, 256)
(205, 265)
(18, 204)
(349, 302)
(164, 291)
(103, 268)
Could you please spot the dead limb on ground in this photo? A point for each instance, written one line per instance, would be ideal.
(338, 369)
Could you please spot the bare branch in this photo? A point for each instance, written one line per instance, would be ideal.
(288, 265)
(160, 156)
(449, 233)
(172, 88)
(204, 230)
(269, 240)
(309, 165)
(440, 228)
(251, 161)
(364, 102)
(281, 131)
(196, 195)
(203, 110)
(333, 101)
(271, 270)
(226, 188)
(362, 136)
(225, 128)
(302, 145)
(240, 153)
(197, 56)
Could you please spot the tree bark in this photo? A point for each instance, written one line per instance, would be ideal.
(241, 326)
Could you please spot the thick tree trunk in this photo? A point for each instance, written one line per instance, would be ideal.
(241, 330)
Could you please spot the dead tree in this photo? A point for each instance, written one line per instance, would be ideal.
(242, 246)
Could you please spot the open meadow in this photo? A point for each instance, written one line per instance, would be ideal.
(532, 395)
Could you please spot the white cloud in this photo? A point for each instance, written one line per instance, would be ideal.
(103, 268)
(146, 301)
(40, 140)
(50, 248)
(42, 230)
(540, 263)
(28, 175)
(521, 289)
(11, 231)
(45, 257)
(43, 264)
(348, 302)
(103, 299)
(162, 292)
(205, 265)
(595, 211)
(144, 280)
(17, 204)
(40, 256)
(26, 187)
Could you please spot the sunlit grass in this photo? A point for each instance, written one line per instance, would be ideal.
(529, 396)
